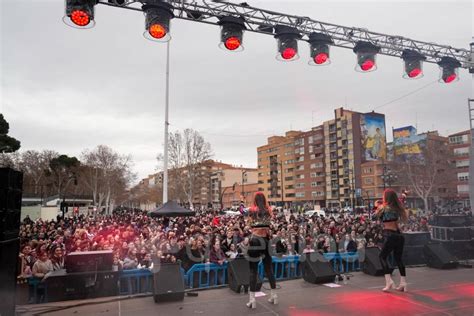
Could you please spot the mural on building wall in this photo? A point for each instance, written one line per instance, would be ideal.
(407, 144)
(373, 137)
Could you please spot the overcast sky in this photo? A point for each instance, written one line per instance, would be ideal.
(68, 89)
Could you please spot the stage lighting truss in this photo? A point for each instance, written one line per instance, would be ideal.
(232, 32)
(270, 23)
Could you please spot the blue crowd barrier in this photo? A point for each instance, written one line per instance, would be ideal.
(208, 275)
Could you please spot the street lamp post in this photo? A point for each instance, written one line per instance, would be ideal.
(244, 172)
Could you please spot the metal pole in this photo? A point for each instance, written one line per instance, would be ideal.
(167, 95)
(471, 121)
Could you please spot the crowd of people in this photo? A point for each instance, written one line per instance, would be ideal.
(137, 240)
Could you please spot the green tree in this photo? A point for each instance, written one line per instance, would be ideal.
(62, 170)
(7, 144)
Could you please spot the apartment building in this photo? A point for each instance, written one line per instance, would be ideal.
(232, 176)
(309, 173)
(276, 168)
(460, 145)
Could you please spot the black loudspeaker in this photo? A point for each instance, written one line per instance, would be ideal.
(413, 255)
(9, 250)
(317, 270)
(11, 183)
(89, 261)
(64, 286)
(438, 257)
(168, 283)
(452, 220)
(238, 274)
(372, 264)
(417, 239)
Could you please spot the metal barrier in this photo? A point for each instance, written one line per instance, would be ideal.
(208, 275)
(205, 275)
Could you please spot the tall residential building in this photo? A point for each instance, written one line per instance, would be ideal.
(460, 145)
(276, 167)
(350, 140)
(309, 173)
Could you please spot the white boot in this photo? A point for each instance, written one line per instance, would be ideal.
(252, 303)
(273, 298)
(403, 284)
(388, 283)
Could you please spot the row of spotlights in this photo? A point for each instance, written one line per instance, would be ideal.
(80, 14)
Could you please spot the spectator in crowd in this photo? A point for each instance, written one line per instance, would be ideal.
(131, 260)
(57, 259)
(42, 266)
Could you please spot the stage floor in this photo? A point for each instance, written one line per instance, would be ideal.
(431, 292)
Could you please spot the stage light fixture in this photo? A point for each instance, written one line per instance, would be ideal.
(366, 56)
(232, 32)
(287, 41)
(449, 67)
(413, 64)
(79, 13)
(319, 49)
(157, 20)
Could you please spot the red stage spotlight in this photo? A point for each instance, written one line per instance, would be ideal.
(232, 30)
(366, 56)
(319, 49)
(287, 41)
(449, 69)
(79, 13)
(413, 64)
(157, 21)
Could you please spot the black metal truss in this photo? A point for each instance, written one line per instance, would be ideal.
(263, 21)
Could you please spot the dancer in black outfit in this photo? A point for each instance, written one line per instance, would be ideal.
(391, 211)
(260, 216)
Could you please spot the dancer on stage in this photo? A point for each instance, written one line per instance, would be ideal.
(391, 211)
(260, 216)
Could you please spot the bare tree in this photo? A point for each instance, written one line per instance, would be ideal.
(188, 152)
(106, 174)
(34, 164)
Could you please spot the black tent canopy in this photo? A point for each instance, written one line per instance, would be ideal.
(171, 209)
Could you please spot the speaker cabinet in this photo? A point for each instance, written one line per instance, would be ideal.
(439, 258)
(416, 238)
(317, 270)
(372, 264)
(8, 255)
(64, 286)
(413, 255)
(168, 284)
(89, 261)
(238, 274)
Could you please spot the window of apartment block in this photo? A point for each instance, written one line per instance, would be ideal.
(299, 185)
(368, 170)
(314, 184)
(300, 176)
(368, 180)
(289, 170)
(300, 194)
(460, 139)
(300, 159)
(463, 188)
(463, 176)
(313, 174)
(462, 163)
(460, 152)
(300, 167)
(288, 178)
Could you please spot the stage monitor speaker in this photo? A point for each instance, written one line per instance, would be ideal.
(168, 283)
(452, 220)
(413, 255)
(62, 286)
(318, 270)
(438, 257)
(89, 261)
(238, 275)
(417, 238)
(372, 264)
